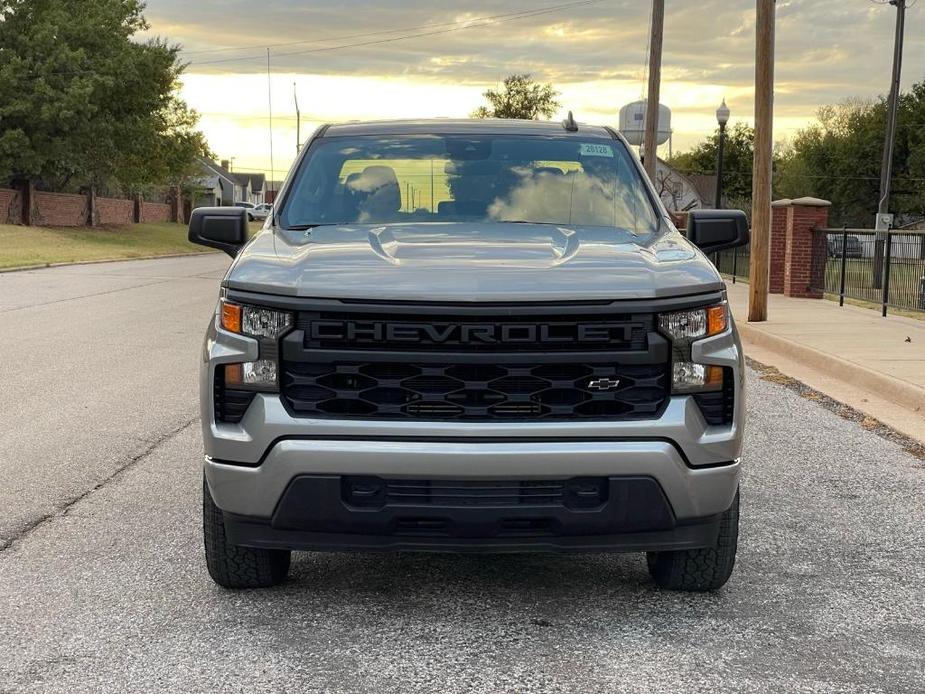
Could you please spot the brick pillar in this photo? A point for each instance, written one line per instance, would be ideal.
(780, 211)
(802, 247)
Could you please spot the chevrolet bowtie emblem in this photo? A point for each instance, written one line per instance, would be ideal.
(603, 384)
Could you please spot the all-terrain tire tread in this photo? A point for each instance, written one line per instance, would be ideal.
(700, 569)
(231, 566)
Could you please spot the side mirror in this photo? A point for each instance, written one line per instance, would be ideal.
(224, 228)
(717, 230)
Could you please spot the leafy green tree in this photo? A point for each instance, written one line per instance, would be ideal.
(838, 158)
(521, 97)
(737, 160)
(83, 104)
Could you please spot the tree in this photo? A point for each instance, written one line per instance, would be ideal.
(737, 166)
(521, 98)
(838, 158)
(81, 103)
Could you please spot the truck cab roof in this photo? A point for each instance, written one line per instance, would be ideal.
(462, 126)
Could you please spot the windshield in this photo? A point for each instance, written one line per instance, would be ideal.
(393, 179)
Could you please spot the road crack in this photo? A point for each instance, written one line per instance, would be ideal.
(84, 296)
(62, 510)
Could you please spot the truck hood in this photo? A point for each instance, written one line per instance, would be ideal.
(471, 262)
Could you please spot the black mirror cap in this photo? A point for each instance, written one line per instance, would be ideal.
(224, 228)
(717, 230)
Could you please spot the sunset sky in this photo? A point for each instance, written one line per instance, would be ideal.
(593, 52)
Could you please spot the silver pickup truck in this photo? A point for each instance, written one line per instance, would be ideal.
(456, 336)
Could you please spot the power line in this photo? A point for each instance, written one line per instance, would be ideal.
(472, 24)
(829, 177)
(645, 58)
(341, 37)
(325, 49)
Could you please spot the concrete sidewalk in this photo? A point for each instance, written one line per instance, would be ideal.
(852, 354)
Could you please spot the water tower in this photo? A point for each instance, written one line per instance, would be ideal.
(633, 123)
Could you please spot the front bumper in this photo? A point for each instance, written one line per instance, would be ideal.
(255, 491)
(318, 512)
(251, 465)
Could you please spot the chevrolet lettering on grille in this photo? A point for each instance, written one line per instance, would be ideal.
(470, 333)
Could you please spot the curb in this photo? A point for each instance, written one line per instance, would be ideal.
(904, 394)
(45, 266)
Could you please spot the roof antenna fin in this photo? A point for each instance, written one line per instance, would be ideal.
(569, 123)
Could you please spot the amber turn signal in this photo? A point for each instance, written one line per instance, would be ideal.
(231, 317)
(234, 375)
(716, 319)
(713, 376)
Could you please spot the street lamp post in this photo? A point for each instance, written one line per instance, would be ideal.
(722, 117)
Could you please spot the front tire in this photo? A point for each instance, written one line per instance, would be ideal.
(699, 569)
(231, 566)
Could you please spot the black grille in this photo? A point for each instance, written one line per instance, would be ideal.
(230, 404)
(475, 363)
(718, 407)
(474, 391)
(588, 492)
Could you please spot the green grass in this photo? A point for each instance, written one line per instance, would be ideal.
(22, 246)
(905, 275)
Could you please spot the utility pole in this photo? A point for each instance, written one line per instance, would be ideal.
(655, 83)
(270, 110)
(298, 121)
(886, 168)
(761, 174)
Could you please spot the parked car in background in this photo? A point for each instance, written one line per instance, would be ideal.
(852, 247)
(262, 211)
(255, 212)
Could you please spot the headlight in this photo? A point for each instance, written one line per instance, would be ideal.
(687, 377)
(684, 328)
(254, 321)
(267, 325)
(257, 374)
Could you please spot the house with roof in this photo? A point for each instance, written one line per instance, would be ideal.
(217, 186)
(680, 192)
(253, 187)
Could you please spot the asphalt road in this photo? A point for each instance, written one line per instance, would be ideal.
(103, 587)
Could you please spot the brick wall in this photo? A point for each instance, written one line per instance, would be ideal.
(60, 209)
(10, 207)
(114, 211)
(155, 212)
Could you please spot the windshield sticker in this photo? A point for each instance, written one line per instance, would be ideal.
(592, 150)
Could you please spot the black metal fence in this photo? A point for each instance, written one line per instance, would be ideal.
(732, 262)
(886, 268)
